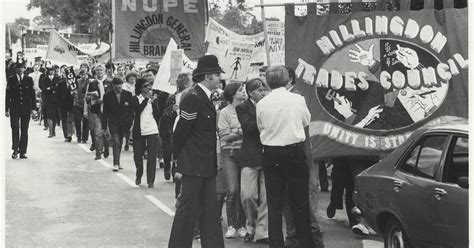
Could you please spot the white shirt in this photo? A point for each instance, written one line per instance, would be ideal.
(148, 124)
(35, 76)
(206, 90)
(282, 117)
(129, 87)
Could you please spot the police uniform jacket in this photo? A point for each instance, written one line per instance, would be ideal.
(194, 139)
(20, 97)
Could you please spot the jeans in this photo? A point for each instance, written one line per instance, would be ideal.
(117, 139)
(19, 141)
(101, 141)
(235, 213)
(140, 144)
(254, 201)
(285, 168)
(67, 121)
(81, 123)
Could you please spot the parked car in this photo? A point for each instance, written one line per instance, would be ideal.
(418, 195)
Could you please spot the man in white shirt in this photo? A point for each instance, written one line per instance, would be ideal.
(35, 75)
(281, 119)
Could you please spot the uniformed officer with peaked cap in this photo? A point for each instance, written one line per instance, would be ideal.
(20, 100)
(194, 144)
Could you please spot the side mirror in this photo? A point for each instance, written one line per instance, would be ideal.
(463, 182)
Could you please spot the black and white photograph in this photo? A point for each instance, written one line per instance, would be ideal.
(235, 123)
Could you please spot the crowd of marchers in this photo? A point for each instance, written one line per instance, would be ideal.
(244, 144)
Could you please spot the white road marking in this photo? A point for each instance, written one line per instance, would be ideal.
(155, 201)
(102, 162)
(85, 148)
(371, 244)
(159, 204)
(126, 179)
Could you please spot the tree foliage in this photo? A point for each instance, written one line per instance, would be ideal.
(236, 17)
(15, 29)
(85, 16)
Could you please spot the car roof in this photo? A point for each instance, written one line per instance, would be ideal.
(456, 126)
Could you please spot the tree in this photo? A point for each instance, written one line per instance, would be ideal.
(236, 17)
(85, 16)
(15, 29)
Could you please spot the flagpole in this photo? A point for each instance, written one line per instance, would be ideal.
(111, 32)
(265, 31)
(9, 37)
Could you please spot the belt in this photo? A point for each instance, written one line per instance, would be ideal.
(300, 144)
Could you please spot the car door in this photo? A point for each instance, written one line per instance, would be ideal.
(413, 189)
(450, 201)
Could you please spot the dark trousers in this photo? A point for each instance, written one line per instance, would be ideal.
(81, 123)
(117, 139)
(323, 175)
(285, 168)
(343, 174)
(166, 144)
(66, 122)
(19, 123)
(140, 144)
(196, 202)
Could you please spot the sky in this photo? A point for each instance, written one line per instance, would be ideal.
(12, 9)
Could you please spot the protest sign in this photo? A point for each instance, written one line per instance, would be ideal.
(276, 42)
(142, 29)
(176, 65)
(163, 77)
(71, 78)
(371, 78)
(218, 38)
(236, 64)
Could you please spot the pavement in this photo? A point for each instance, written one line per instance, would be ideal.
(60, 196)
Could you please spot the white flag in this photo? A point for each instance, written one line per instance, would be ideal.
(162, 79)
(61, 50)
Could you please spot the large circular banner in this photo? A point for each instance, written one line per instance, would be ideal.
(371, 79)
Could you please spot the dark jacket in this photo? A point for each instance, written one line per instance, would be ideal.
(251, 149)
(49, 88)
(138, 109)
(165, 127)
(118, 116)
(194, 139)
(65, 97)
(20, 98)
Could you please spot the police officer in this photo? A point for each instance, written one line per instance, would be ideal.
(20, 100)
(194, 144)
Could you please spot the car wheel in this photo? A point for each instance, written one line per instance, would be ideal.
(394, 235)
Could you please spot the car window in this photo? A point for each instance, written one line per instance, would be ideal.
(430, 156)
(410, 163)
(457, 160)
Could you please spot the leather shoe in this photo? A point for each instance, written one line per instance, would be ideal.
(167, 175)
(248, 238)
(98, 157)
(14, 155)
(106, 153)
(263, 241)
(330, 211)
(92, 148)
(138, 181)
(23, 156)
(151, 186)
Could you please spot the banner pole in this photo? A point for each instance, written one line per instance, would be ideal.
(111, 34)
(265, 31)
